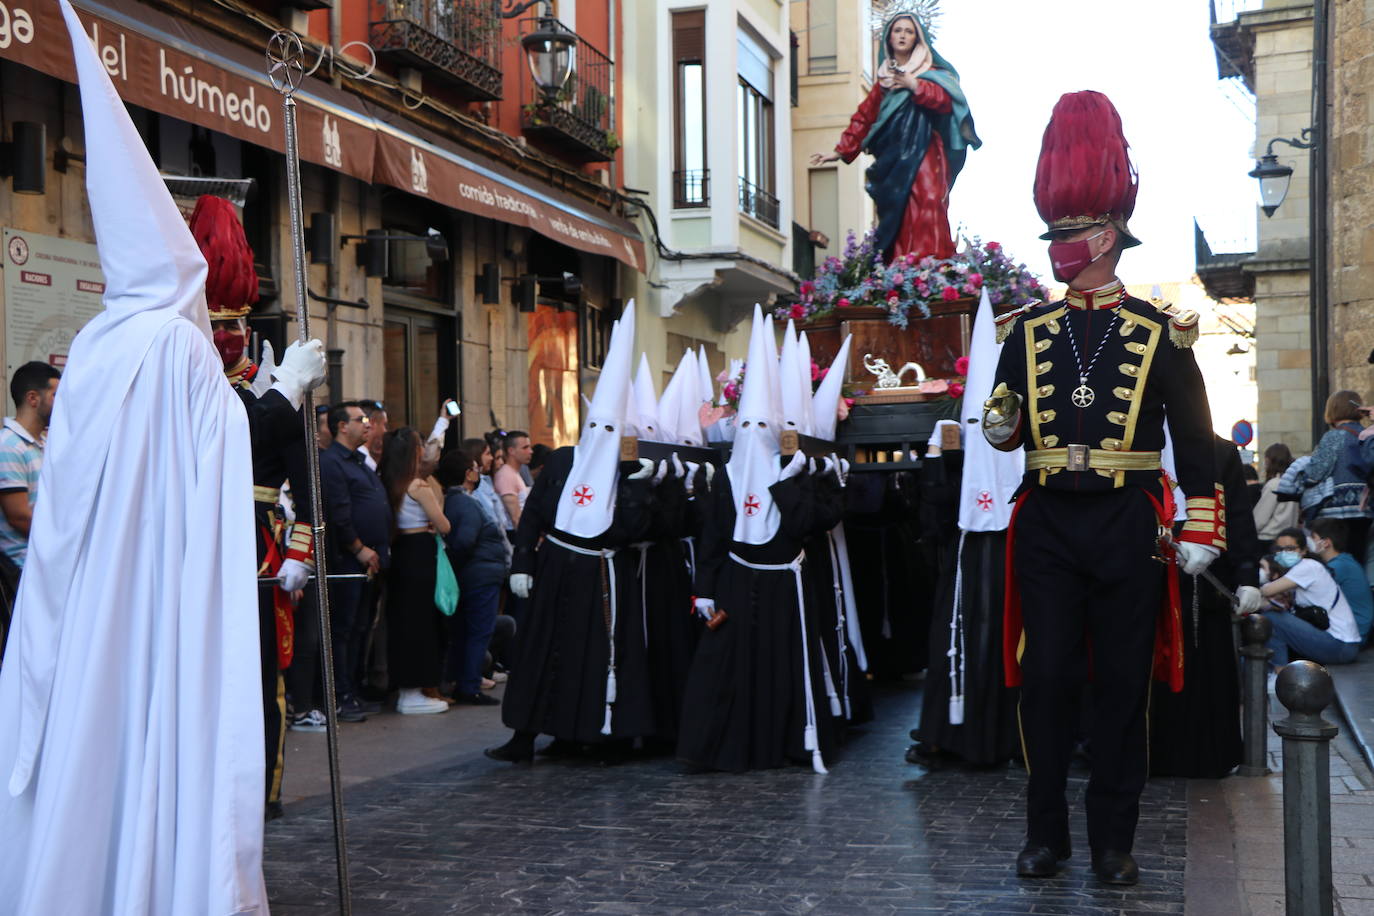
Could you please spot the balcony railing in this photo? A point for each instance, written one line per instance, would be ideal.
(758, 203)
(692, 188)
(578, 119)
(457, 41)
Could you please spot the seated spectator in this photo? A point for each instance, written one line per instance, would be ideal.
(1302, 583)
(477, 550)
(1327, 542)
(1272, 514)
(1341, 457)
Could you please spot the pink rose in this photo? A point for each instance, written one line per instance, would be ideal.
(892, 299)
(898, 279)
(843, 303)
(807, 288)
(949, 294)
(911, 259)
(955, 390)
(798, 311)
(961, 365)
(975, 279)
(993, 246)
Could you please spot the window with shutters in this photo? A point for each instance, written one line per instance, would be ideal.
(757, 196)
(691, 179)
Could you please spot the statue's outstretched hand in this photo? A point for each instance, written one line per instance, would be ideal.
(823, 158)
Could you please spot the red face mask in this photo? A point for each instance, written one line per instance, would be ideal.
(229, 342)
(1068, 259)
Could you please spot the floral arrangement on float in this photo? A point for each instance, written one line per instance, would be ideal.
(860, 278)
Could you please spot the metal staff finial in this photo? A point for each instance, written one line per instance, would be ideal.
(286, 70)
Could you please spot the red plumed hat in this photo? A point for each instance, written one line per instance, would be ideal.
(231, 286)
(1085, 176)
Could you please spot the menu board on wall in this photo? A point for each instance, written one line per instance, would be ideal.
(53, 287)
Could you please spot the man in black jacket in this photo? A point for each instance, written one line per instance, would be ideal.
(358, 516)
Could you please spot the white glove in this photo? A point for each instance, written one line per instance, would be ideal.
(294, 574)
(811, 466)
(677, 466)
(794, 467)
(662, 472)
(936, 434)
(302, 369)
(844, 471)
(262, 382)
(1250, 599)
(710, 472)
(691, 477)
(520, 584)
(1194, 558)
(705, 607)
(827, 465)
(646, 467)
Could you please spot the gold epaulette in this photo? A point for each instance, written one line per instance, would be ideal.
(1005, 324)
(1183, 329)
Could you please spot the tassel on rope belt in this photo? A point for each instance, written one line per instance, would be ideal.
(809, 738)
(643, 548)
(840, 625)
(608, 610)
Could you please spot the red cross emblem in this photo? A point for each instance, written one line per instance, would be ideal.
(583, 495)
(985, 501)
(751, 505)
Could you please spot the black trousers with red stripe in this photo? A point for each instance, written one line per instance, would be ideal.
(1090, 598)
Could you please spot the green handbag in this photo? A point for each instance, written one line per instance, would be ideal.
(445, 582)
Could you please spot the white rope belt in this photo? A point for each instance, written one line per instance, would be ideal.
(957, 651)
(607, 555)
(643, 548)
(809, 739)
(690, 543)
(840, 623)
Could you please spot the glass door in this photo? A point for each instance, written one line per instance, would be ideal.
(421, 370)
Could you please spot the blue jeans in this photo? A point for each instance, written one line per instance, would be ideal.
(470, 630)
(1307, 641)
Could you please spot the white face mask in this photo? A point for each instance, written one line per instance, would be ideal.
(1314, 545)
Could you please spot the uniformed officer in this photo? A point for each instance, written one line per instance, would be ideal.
(1087, 386)
(278, 438)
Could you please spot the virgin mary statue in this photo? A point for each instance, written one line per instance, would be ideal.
(917, 125)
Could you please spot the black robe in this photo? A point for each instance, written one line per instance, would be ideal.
(823, 580)
(558, 685)
(745, 704)
(1196, 732)
(988, 735)
(665, 584)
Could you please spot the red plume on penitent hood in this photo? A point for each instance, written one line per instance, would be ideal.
(231, 286)
(1085, 176)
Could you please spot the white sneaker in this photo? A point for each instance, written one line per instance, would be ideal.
(414, 703)
(499, 677)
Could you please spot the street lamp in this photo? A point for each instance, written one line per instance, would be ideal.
(1274, 178)
(549, 47)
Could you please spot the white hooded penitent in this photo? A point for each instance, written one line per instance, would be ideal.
(808, 424)
(753, 465)
(646, 402)
(130, 737)
(587, 503)
(826, 401)
(790, 379)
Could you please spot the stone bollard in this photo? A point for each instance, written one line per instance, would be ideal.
(1255, 630)
(1305, 689)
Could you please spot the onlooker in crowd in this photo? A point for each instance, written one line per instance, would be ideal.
(376, 429)
(538, 456)
(434, 445)
(323, 437)
(1295, 484)
(1336, 458)
(358, 518)
(477, 550)
(33, 388)
(1273, 514)
(414, 631)
(509, 482)
(1327, 542)
(1305, 586)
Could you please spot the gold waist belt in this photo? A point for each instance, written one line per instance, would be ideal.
(270, 495)
(1082, 458)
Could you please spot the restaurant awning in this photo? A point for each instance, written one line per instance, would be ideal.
(175, 68)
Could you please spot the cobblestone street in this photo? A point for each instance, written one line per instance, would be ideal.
(876, 836)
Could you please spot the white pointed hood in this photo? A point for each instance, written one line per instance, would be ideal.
(646, 403)
(790, 379)
(706, 386)
(679, 411)
(587, 503)
(826, 402)
(667, 410)
(753, 466)
(990, 476)
(808, 423)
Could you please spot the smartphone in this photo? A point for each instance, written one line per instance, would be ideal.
(452, 408)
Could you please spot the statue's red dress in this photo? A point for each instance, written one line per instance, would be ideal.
(925, 225)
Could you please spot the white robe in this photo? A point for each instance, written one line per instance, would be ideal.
(140, 775)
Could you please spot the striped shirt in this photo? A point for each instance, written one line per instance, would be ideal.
(21, 458)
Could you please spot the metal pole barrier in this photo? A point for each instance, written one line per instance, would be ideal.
(285, 68)
(1255, 630)
(1305, 689)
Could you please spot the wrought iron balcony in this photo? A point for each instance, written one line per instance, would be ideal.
(692, 188)
(577, 119)
(758, 203)
(457, 41)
